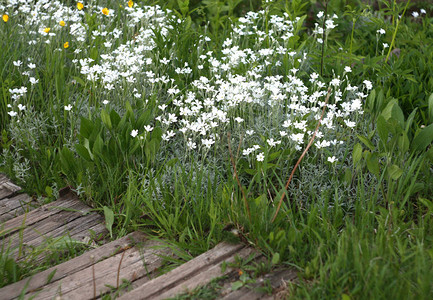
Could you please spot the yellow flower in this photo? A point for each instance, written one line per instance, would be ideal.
(62, 23)
(5, 18)
(80, 6)
(66, 45)
(46, 30)
(130, 3)
(105, 11)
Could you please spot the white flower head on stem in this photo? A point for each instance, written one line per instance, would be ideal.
(134, 133)
(260, 157)
(332, 159)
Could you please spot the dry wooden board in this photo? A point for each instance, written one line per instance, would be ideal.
(62, 271)
(69, 201)
(276, 280)
(7, 188)
(190, 275)
(14, 206)
(65, 217)
(62, 221)
(2, 177)
(77, 231)
(97, 277)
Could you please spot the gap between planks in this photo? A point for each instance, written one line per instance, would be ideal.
(194, 273)
(74, 279)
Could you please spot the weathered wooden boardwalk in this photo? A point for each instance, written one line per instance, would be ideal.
(127, 268)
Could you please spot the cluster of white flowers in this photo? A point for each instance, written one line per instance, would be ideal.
(120, 66)
(416, 14)
(329, 25)
(224, 99)
(250, 87)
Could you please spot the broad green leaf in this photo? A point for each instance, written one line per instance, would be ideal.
(86, 144)
(345, 297)
(260, 200)
(49, 190)
(397, 114)
(373, 163)
(429, 154)
(79, 80)
(250, 171)
(98, 145)
(184, 6)
(366, 142)
(114, 117)
(237, 285)
(276, 258)
(357, 153)
(394, 172)
(67, 160)
(144, 118)
(157, 133)
(94, 53)
(280, 234)
(371, 99)
(109, 219)
(86, 127)
(403, 142)
(423, 139)
(83, 152)
(134, 146)
(394, 112)
(129, 110)
(382, 130)
(347, 178)
(273, 156)
(427, 203)
(172, 162)
(410, 119)
(106, 119)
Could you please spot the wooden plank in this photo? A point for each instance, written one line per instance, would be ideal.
(56, 223)
(72, 266)
(82, 236)
(203, 277)
(276, 279)
(196, 266)
(76, 228)
(2, 177)
(7, 188)
(135, 263)
(18, 205)
(69, 201)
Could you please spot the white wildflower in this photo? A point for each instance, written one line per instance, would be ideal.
(332, 159)
(260, 157)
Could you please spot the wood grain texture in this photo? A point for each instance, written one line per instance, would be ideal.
(69, 201)
(7, 187)
(59, 224)
(15, 206)
(135, 263)
(204, 277)
(73, 266)
(186, 274)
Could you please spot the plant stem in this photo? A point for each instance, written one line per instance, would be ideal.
(323, 39)
(302, 156)
(237, 177)
(395, 32)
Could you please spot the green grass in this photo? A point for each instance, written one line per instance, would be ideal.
(356, 227)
